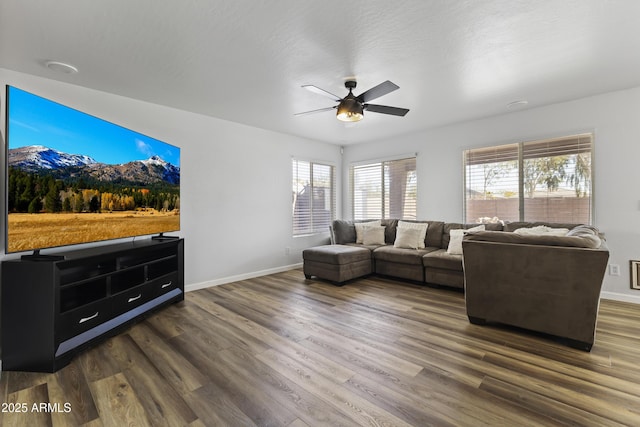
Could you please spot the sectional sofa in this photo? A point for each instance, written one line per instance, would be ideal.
(539, 276)
(431, 264)
(436, 262)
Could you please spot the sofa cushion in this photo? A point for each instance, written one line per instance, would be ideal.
(343, 232)
(401, 255)
(585, 230)
(359, 245)
(373, 236)
(442, 259)
(448, 226)
(422, 227)
(390, 230)
(455, 239)
(434, 233)
(360, 226)
(541, 230)
(409, 238)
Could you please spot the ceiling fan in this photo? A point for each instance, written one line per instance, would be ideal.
(351, 108)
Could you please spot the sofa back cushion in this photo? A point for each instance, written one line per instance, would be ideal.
(362, 226)
(446, 233)
(433, 238)
(390, 230)
(343, 232)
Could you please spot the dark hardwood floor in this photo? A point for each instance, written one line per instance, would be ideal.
(284, 351)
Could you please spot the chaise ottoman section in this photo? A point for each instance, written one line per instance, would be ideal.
(337, 263)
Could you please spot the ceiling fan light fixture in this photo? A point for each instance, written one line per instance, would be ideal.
(350, 110)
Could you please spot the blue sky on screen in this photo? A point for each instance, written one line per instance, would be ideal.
(37, 121)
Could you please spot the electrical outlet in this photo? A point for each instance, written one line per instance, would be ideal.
(287, 251)
(614, 270)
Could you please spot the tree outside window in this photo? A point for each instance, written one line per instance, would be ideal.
(546, 180)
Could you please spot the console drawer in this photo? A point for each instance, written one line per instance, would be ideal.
(83, 318)
(164, 284)
(131, 298)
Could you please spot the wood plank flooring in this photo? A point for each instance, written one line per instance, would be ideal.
(284, 351)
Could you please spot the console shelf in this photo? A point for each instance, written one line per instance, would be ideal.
(53, 309)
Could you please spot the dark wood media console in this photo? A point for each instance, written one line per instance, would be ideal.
(53, 309)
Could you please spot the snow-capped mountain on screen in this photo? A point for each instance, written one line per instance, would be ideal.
(37, 158)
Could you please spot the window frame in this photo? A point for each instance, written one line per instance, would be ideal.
(524, 149)
(383, 185)
(313, 229)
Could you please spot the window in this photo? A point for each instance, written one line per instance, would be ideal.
(314, 199)
(548, 180)
(386, 189)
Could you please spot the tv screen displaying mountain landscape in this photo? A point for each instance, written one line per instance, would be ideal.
(74, 178)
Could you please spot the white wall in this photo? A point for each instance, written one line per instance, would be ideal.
(615, 120)
(233, 234)
(235, 180)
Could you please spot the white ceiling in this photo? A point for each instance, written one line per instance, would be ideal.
(245, 60)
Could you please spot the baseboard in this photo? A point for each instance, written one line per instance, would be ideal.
(237, 278)
(635, 299)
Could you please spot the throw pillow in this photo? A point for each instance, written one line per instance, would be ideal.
(590, 235)
(408, 238)
(421, 226)
(455, 239)
(373, 235)
(360, 228)
(542, 230)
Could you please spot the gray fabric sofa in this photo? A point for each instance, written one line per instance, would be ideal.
(431, 264)
(547, 284)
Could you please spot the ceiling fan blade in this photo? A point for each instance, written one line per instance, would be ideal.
(315, 111)
(316, 89)
(377, 91)
(384, 109)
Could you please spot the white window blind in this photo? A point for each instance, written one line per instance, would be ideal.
(386, 189)
(314, 200)
(547, 180)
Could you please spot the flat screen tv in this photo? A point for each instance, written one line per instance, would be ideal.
(74, 178)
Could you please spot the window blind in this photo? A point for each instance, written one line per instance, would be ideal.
(545, 180)
(557, 179)
(492, 183)
(386, 189)
(313, 197)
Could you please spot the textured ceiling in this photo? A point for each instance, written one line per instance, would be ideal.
(246, 60)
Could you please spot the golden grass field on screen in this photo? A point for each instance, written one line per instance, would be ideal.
(58, 229)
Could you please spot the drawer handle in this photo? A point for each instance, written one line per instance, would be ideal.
(132, 299)
(84, 319)
(166, 285)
